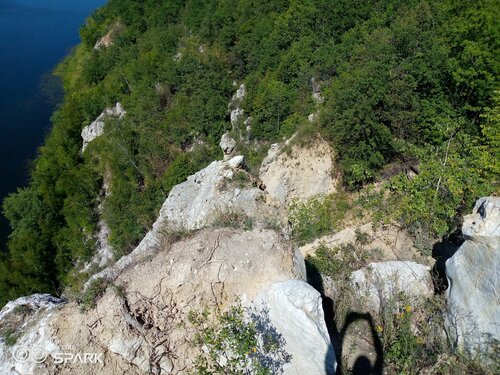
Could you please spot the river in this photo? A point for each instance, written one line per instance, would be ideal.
(34, 36)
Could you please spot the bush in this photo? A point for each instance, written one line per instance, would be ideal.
(237, 341)
(317, 216)
(93, 293)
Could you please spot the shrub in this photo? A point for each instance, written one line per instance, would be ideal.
(237, 341)
(317, 216)
(94, 291)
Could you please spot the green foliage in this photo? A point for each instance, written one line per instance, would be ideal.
(451, 177)
(10, 337)
(94, 291)
(237, 341)
(317, 216)
(400, 79)
(411, 340)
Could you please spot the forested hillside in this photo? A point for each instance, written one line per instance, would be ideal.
(406, 85)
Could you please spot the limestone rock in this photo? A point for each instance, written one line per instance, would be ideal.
(157, 294)
(96, 129)
(240, 93)
(237, 112)
(33, 302)
(473, 274)
(107, 40)
(296, 308)
(305, 172)
(227, 144)
(199, 202)
(380, 282)
(316, 92)
(27, 317)
(236, 115)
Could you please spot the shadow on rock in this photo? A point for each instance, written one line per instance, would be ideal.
(362, 364)
(442, 251)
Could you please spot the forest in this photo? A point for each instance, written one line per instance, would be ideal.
(408, 84)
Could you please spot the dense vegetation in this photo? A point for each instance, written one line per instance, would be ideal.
(407, 84)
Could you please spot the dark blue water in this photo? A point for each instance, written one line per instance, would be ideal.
(34, 36)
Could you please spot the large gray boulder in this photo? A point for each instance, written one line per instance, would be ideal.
(208, 194)
(295, 308)
(473, 274)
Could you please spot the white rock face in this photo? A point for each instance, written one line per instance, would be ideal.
(296, 308)
(237, 112)
(33, 302)
(473, 274)
(236, 115)
(31, 324)
(380, 282)
(197, 202)
(107, 40)
(316, 92)
(96, 129)
(240, 93)
(304, 173)
(227, 144)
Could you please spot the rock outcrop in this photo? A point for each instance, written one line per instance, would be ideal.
(379, 283)
(227, 144)
(294, 309)
(96, 129)
(473, 274)
(107, 40)
(140, 325)
(302, 173)
(25, 319)
(208, 194)
(237, 112)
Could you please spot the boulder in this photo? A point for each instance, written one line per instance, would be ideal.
(200, 200)
(240, 93)
(236, 115)
(316, 92)
(296, 309)
(473, 274)
(379, 283)
(237, 112)
(302, 173)
(227, 144)
(96, 129)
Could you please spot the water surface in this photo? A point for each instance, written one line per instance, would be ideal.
(34, 36)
